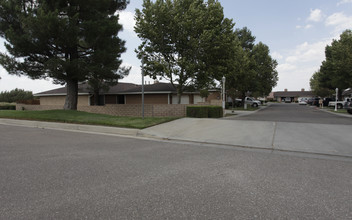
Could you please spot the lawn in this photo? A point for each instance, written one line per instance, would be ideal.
(342, 111)
(77, 117)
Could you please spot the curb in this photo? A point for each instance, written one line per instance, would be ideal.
(70, 127)
(339, 114)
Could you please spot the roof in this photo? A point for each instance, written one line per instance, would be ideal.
(293, 94)
(83, 89)
(156, 88)
(120, 88)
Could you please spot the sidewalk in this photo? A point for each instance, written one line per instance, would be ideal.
(324, 139)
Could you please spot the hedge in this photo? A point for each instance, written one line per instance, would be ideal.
(204, 111)
(7, 107)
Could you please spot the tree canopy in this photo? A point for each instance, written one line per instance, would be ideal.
(187, 42)
(253, 69)
(69, 41)
(335, 70)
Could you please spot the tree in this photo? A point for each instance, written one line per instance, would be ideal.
(69, 41)
(317, 88)
(266, 76)
(246, 38)
(336, 69)
(241, 75)
(233, 94)
(253, 69)
(184, 41)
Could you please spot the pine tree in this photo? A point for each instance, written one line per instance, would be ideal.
(70, 41)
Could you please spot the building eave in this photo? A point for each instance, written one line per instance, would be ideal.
(56, 94)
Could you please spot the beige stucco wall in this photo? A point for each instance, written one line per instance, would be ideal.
(83, 100)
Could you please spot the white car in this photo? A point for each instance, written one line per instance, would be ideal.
(302, 102)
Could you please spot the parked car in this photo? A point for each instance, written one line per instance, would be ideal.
(327, 100)
(249, 101)
(313, 101)
(302, 102)
(348, 106)
(310, 101)
(340, 104)
(288, 100)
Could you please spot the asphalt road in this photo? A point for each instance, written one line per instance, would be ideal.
(49, 174)
(291, 112)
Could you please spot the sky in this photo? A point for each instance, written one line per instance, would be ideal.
(296, 32)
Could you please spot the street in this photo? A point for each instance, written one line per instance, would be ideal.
(57, 174)
(290, 112)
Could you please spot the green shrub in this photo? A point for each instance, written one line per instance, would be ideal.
(7, 107)
(204, 111)
(197, 111)
(215, 112)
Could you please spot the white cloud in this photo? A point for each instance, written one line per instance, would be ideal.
(315, 15)
(9, 82)
(135, 75)
(344, 2)
(308, 26)
(295, 79)
(126, 18)
(306, 52)
(286, 67)
(340, 21)
(276, 55)
(300, 64)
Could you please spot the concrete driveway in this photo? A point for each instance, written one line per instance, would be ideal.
(306, 130)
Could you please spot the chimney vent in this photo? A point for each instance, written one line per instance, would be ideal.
(285, 90)
(302, 90)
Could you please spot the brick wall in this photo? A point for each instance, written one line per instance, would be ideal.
(163, 110)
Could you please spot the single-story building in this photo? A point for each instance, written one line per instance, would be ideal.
(291, 96)
(126, 93)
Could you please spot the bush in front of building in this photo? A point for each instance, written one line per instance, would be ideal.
(215, 112)
(204, 111)
(7, 107)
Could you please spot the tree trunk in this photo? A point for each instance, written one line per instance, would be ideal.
(72, 95)
(243, 99)
(96, 97)
(179, 94)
